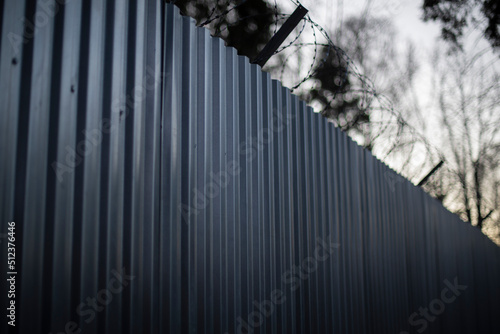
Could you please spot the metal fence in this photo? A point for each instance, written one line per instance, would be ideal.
(159, 183)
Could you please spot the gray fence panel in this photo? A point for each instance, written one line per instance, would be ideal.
(138, 149)
(84, 202)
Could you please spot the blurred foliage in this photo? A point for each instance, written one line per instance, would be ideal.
(246, 25)
(345, 79)
(333, 92)
(456, 15)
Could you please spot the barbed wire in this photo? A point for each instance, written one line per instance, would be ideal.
(304, 58)
(310, 35)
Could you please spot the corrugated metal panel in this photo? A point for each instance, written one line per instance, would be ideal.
(211, 185)
(77, 75)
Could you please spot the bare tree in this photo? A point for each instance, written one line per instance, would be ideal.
(467, 101)
(348, 85)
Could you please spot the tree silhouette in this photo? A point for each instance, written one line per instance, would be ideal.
(345, 80)
(456, 15)
(246, 25)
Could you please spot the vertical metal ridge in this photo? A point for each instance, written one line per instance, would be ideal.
(301, 226)
(207, 250)
(136, 227)
(217, 219)
(154, 35)
(286, 198)
(34, 225)
(324, 269)
(331, 211)
(174, 215)
(267, 282)
(192, 113)
(315, 218)
(291, 121)
(64, 186)
(243, 219)
(120, 111)
(234, 232)
(93, 163)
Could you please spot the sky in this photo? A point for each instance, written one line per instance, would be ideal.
(406, 15)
